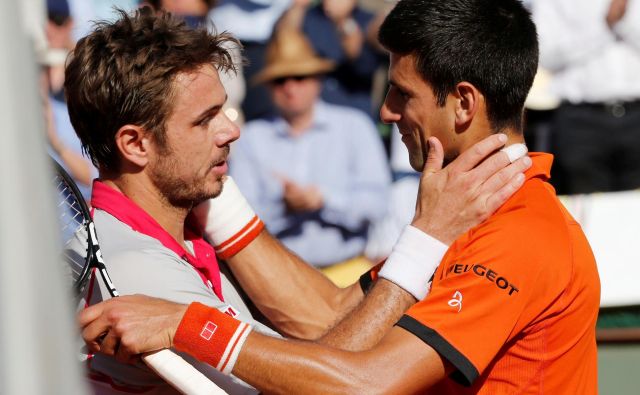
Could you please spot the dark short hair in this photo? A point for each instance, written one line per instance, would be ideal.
(492, 44)
(123, 73)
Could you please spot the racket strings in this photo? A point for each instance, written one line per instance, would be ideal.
(72, 224)
(70, 212)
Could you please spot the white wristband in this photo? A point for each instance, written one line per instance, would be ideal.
(228, 220)
(413, 260)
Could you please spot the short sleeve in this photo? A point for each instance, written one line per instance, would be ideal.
(476, 302)
(369, 277)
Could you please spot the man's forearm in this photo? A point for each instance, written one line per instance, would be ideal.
(298, 367)
(298, 299)
(289, 366)
(371, 320)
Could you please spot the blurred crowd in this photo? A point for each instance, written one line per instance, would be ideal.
(327, 177)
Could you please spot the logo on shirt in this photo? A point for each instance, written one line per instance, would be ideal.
(208, 330)
(483, 271)
(230, 311)
(456, 301)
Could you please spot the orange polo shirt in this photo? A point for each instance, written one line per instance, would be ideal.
(514, 302)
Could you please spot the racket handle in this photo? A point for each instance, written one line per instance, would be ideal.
(180, 374)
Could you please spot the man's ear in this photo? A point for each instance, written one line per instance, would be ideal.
(467, 103)
(133, 142)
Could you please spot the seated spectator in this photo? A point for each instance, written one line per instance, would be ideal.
(317, 173)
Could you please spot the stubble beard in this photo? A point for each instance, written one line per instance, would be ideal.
(177, 191)
(418, 163)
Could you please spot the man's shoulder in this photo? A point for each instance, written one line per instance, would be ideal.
(534, 210)
(530, 235)
(119, 242)
(138, 263)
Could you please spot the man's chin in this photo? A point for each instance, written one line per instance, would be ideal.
(417, 162)
(217, 190)
(214, 192)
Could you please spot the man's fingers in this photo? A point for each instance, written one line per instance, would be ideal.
(123, 353)
(435, 156)
(94, 327)
(496, 163)
(497, 199)
(109, 343)
(505, 176)
(89, 314)
(478, 152)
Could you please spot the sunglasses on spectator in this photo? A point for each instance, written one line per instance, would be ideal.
(297, 78)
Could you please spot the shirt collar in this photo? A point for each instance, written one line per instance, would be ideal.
(319, 122)
(540, 166)
(105, 198)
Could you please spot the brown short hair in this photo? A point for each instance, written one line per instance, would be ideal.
(123, 72)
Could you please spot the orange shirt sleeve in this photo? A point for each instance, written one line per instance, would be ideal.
(480, 296)
(369, 277)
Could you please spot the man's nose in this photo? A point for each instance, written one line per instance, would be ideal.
(387, 115)
(229, 133)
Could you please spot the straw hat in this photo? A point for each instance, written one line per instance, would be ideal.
(290, 54)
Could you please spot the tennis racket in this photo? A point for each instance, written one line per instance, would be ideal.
(76, 225)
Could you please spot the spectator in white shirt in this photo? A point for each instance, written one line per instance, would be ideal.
(593, 50)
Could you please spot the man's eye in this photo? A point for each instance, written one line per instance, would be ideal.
(204, 121)
(404, 95)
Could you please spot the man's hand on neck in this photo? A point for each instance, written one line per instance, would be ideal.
(488, 179)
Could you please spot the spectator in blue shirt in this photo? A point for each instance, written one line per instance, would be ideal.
(316, 173)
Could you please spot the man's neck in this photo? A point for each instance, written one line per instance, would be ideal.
(143, 193)
(513, 136)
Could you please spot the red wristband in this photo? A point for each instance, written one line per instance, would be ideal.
(211, 336)
(241, 239)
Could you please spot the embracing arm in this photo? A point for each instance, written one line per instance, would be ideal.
(298, 299)
(271, 365)
(371, 320)
(131, 325)
(278, 366)
(465, 192)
